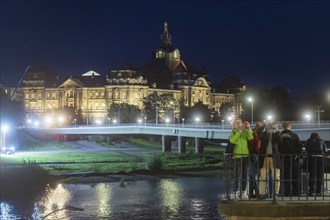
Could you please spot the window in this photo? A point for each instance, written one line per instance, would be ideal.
(160, 54)
(116, 94)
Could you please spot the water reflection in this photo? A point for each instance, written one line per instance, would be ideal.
(171, 195)
(182, 198)
(104, 193)
(56, 199)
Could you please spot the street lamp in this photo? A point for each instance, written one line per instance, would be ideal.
(4, 128)
(173, 104)
(182, 122)
(223, 124)
(157, 115)
(145, 120)
(308, 118)
(75, 122)
(269, 118)
(197, 119)
(250, 99)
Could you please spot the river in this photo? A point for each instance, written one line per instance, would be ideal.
(161, 199)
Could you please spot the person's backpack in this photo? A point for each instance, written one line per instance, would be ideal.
(230, 148)
(254, 144)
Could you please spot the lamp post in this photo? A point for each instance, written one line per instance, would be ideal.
(173, 103)
(308, 118)
(145, 120)
(250, 99)
(4, 128)
(223, 124)
(182, 122)
(157, 115)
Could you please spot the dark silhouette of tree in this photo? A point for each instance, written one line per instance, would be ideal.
(11, 112)
(275, 101)
(199, 110)
(124, 112)
(164, 103)
(225, 110)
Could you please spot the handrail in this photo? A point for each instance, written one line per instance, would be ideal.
(295, 177)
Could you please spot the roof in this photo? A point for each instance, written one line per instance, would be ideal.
(231, 84)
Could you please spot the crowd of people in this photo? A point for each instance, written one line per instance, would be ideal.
(267, 160)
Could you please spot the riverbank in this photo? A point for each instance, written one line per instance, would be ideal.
(88, 178)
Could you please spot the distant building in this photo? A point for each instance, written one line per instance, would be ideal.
(93, 93)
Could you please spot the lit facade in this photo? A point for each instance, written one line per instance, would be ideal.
(93, 93)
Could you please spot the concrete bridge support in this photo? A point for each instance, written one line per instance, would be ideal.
(199, 145)
(181, 144)
(166, 143)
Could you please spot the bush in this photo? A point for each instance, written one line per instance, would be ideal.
(132, 165)
(155, 163)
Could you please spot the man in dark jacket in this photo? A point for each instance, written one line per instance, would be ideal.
(291, 151)
(316, 150)
(269, 158)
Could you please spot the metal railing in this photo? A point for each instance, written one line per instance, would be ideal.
(298, 177)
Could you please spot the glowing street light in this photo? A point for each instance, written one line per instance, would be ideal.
(182, 122)
(308, 118)
(167, 120)
(145, 120)
(197, 119)
(250, 99)
(269, 118)
(4, 128)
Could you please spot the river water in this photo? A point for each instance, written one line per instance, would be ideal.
(162, 199)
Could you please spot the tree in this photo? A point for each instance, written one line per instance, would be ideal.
(275, 101)
(198, 111)
(11, 112)
(124, 113)
(164, 104)
(225, 110)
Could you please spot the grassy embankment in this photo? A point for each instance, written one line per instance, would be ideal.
(111, 162)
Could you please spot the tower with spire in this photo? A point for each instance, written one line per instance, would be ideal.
(165, 37)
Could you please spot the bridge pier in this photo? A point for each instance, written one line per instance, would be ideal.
(166, 143)
(181, 144)
(199, 145)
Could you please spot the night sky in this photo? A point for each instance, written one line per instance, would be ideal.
(264, 43)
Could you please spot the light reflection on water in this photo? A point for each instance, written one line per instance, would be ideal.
(181, 198)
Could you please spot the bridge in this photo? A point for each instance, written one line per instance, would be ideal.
(180, 132)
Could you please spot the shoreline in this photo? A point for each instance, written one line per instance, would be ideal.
(89, 178)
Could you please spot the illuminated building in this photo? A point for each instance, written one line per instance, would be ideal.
(93, 93)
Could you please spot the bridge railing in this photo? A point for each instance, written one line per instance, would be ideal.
(300, 177)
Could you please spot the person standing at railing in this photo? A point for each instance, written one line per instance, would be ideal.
(254, 146)
(291, 151)
(316, 149)
(239, 136)
(269, 157)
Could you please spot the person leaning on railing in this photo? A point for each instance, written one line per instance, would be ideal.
(291, 151)
(316, 149)
(239, 136)
(269, 157)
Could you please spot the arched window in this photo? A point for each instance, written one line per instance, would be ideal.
(160, 54)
